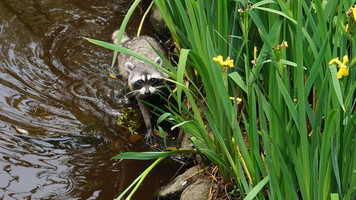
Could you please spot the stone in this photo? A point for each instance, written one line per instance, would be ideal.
(157, 21)
(173, 190)
(187, 143)
(199, 190)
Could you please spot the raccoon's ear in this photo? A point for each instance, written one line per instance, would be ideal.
(158, 61)
(129, 66)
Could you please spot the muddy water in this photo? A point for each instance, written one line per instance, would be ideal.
(58, 106)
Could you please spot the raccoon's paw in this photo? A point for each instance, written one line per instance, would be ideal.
(149, 136)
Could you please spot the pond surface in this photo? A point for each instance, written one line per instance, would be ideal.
(58, 105)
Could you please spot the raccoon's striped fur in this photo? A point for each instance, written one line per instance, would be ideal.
(144, 80)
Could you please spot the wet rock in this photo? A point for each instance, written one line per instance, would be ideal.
(187, 143)
(157, 21)
(199, 190)
(174, 189)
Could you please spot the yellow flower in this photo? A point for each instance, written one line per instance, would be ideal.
(285, 43)
(342, 65)
(342, 72)
(238, 100)
(352, 12)
(334, 60)
(253, 62)
(345, 59)
(254, 52)
(219, 59)
(227, 62)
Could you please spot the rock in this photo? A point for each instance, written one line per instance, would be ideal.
(187, 143)
(173, 190)
(199, 190)
(157, 21)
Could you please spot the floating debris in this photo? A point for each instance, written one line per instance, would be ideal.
(112, 75)
(21, 130)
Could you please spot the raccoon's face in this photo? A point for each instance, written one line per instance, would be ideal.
(144, 80)
(146, 84)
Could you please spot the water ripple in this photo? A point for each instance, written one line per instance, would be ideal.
(58, 106)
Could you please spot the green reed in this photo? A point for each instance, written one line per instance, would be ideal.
(305, 115)
(293, 134)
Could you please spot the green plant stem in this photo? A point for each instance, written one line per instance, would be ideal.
(143, 19)
(144, 174)
(123, 27)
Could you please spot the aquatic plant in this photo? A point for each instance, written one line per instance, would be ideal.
(293, 134)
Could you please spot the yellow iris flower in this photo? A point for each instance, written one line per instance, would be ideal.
(227, 62)
(238, 100)
(342, 65)
(219, 59)
(342, 72)
(285, 43)
(254, 52)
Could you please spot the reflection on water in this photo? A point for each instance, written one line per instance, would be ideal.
(58, 106)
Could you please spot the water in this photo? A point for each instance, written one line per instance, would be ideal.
(58, 105)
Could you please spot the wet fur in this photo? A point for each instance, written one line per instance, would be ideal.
(131, 68)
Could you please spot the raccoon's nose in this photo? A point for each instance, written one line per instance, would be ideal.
(147, 92)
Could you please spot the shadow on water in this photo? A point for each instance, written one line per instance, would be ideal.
(58, 106)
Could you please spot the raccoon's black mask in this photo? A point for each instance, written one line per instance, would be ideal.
(145, 80)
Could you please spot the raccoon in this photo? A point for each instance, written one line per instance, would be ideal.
(144, 81)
